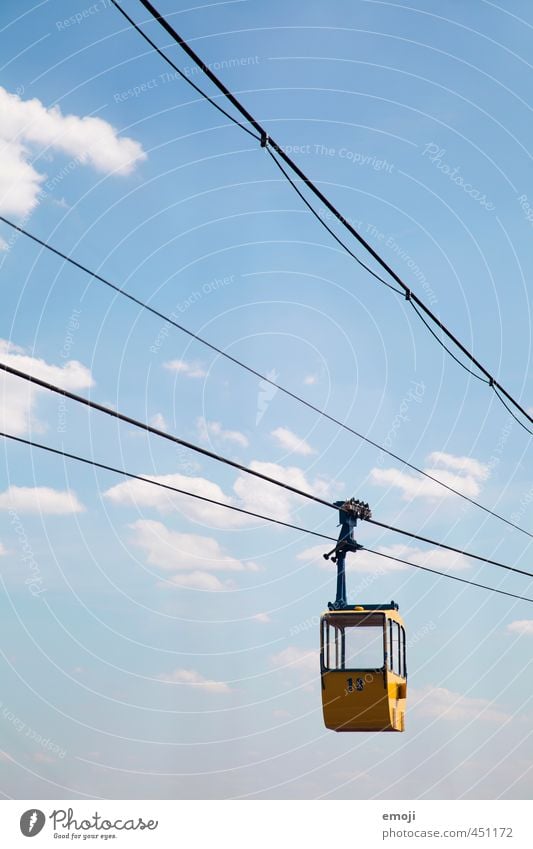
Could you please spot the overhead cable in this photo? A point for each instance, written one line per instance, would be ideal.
(203, 341)
(218, 457)
(270, 519)
(267, 140)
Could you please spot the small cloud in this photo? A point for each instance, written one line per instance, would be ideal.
(261, 497)
(192, 369)
(461, 473)
(192, 678)
(433, 558)
(310, 380)
(40, 499)
(159, 422)
(3, 245)
(471, 467)
(443, 704)
(296, 660)
(207, 429)
(290, 442)
(271, 500)
(197, 581)
(138, 494)
(42, 758)
(524, 627)
(366, 562)
(191, 560)
(18, 398)
(261, 617)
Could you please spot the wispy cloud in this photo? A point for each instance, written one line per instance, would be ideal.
(289, 441)
(191, 560)
(40, 499)
(302, 661)
(189, 369)
(159, 421)
(266, 498)
(302, 664)
(138, 494)
(214, 429)
(310, 379)
(467, 465)
(524, 627)
(261, 617)
(197, 580)
(27, 127)
(18, 398)
(461, 473)
(192, 678)
(253, 495)
(443, 704)
(366, 562)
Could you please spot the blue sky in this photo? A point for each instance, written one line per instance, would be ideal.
(155, 648)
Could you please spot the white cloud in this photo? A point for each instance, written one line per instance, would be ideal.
(72, 375)
(189, 369)
(139, 494)
(197, 581)
(434, 558)
(365, 562)
(207, 429)
(310, 379)
(61, 203)
(473, 468)
(174, 551)
(27, 128)
(282, 714)
(261, 617)
(440, 703)
(290, 442)
(3, 245)
(159, 422)
(191, 558)
(362, 561)
(193, 679)
(465, 476)
(40, 499)
(253, 495)
(304, 662)
(2, 550)
(270, 500)
(18, 397)
(522, 627)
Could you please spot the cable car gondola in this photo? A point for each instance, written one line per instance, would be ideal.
(362, 650)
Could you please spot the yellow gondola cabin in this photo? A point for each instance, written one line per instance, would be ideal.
(363, 668)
